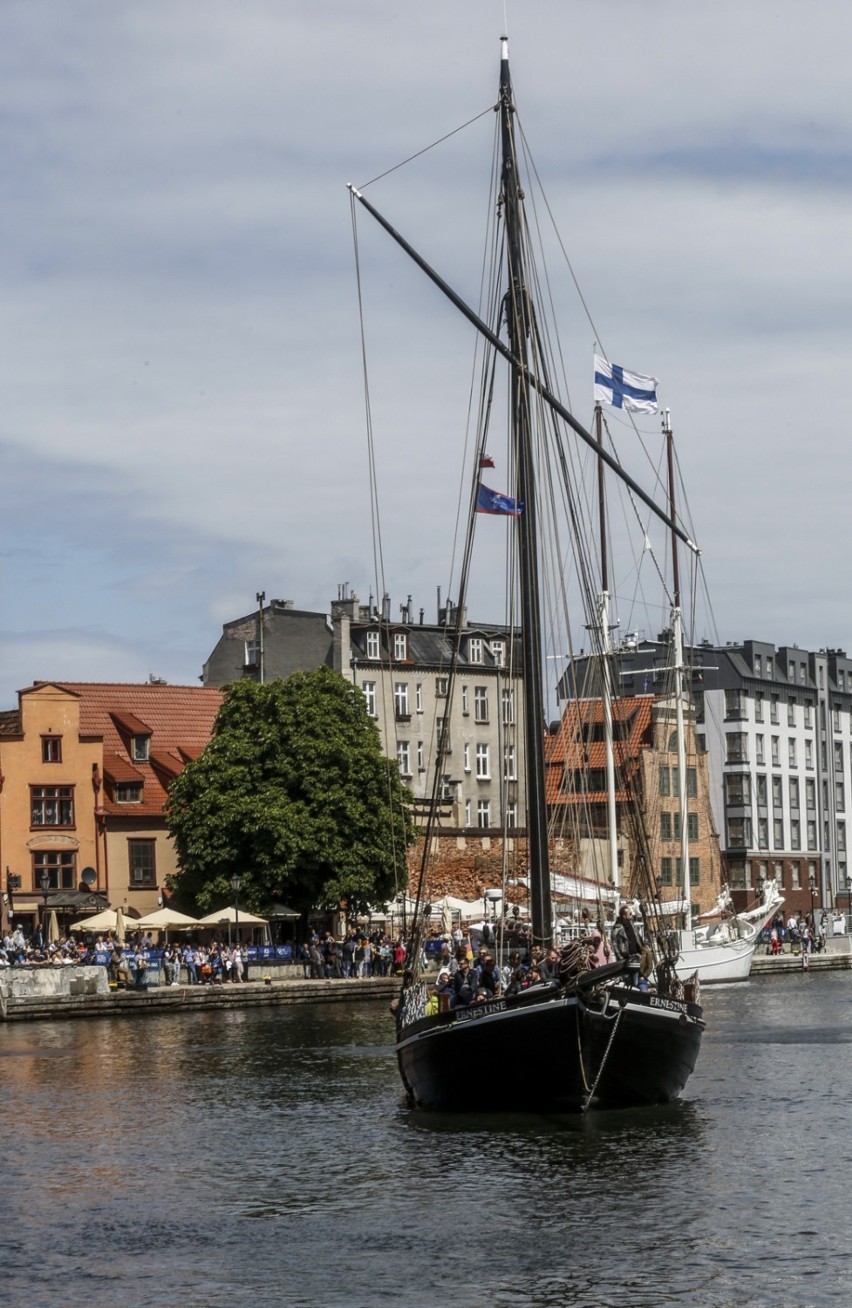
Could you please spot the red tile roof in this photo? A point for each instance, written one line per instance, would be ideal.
(569, 750)
(179, 720)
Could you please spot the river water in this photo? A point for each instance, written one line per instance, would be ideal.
(265, 1157)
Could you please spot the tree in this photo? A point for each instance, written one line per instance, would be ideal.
(294, 793)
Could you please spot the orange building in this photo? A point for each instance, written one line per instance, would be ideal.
(84, 773)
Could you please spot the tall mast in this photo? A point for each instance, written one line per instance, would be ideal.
(518, 323)
(677, 642)
(606, 668)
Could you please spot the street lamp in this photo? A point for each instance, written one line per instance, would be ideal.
(44, 883)
(236, 882)
(812, 885)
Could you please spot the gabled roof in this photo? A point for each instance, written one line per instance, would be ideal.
(179, 720)
(576, 748)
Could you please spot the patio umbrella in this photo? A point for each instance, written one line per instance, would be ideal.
(119, 924)
(229, 914)
(105, 921)
(164, 918)
(52, 927)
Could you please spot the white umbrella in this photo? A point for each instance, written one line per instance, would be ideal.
(164, 919)
(52, 927)
(229, 914)
(105, 921)
(119, 924)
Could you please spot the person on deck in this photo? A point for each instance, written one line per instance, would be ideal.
(626, 943)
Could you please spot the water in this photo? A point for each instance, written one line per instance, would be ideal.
(264, 1157)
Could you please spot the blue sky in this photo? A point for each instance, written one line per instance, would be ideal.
(183, 419)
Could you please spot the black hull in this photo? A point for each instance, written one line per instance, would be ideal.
(545, 1056)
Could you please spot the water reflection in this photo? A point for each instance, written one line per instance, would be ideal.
(267, 1155)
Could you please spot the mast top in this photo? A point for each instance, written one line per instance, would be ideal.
(504, 48)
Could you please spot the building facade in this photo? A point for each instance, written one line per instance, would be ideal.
(776, 725)
(85, 772)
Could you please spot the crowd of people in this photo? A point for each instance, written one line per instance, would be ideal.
(803, 933)
(357, 954)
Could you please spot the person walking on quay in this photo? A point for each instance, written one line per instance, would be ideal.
(190, 962)
(237, 964)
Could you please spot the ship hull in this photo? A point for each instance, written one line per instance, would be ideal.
(554, 1054)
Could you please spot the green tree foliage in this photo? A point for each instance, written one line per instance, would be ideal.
(294, 793)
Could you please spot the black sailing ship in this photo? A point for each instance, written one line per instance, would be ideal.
(591, 1037)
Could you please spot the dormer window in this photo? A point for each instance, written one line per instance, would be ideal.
(140, 749)
(128, 792)
(252, 653)
(498, 653)
(474, 649)
(51, 749)
(400, 645)
(373, 646)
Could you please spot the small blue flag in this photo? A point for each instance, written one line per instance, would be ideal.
(491, 501)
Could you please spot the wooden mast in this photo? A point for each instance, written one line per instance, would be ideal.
(518, 320)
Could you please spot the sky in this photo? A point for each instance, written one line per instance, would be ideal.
(183, 416)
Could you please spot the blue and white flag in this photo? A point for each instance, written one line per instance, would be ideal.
(491, 501)
(623, 389)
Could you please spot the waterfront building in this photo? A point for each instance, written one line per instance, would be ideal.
(85, 771)
(645, 750)
(776, 725)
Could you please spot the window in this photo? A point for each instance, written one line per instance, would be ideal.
(467, 812)
(739, 874)
(442, 687)
(762, 833)
(812, 833)
(791, 713)
(483, 813)
(776, 750)
(508, 697)
(665, 871)
(466, 756)
(474, 649)
(51, 749)
(509, 767)
(466, 700)
(403, 757)
(777, 792)
(480, 703)
(252, 654)
(791, 670)
(791, 751)
(60, 866)
(447, 795)
(141, 749)
(758, 750)
(739, 832)
(694, 871)
(665, 826)
(758, 666)
(128, 792)
(498, 653)
(773, 709)
(777, 834)
(369, 689)
(511, 815)
(809, 753)
(442, 731)
(418, 697)
(738, 786)
(400, 701)
(841, 835)
(839, 796)
(400, 645)
(691, 782)
(838, 756)
(835, 718)
(760, 779)
(421, 757)
(810, 793)
(665, 780)
(373, 645)
(758, 706)
(52, 806)
(737, 746)
(483, 764)
(809, 714)
(795, 834)
(734, 704)
(795, 876)
(142, 858)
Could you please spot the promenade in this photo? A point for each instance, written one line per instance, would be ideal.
(33, 1002)
(837, 957)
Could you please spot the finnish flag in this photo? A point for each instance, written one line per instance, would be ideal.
(623, 389)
